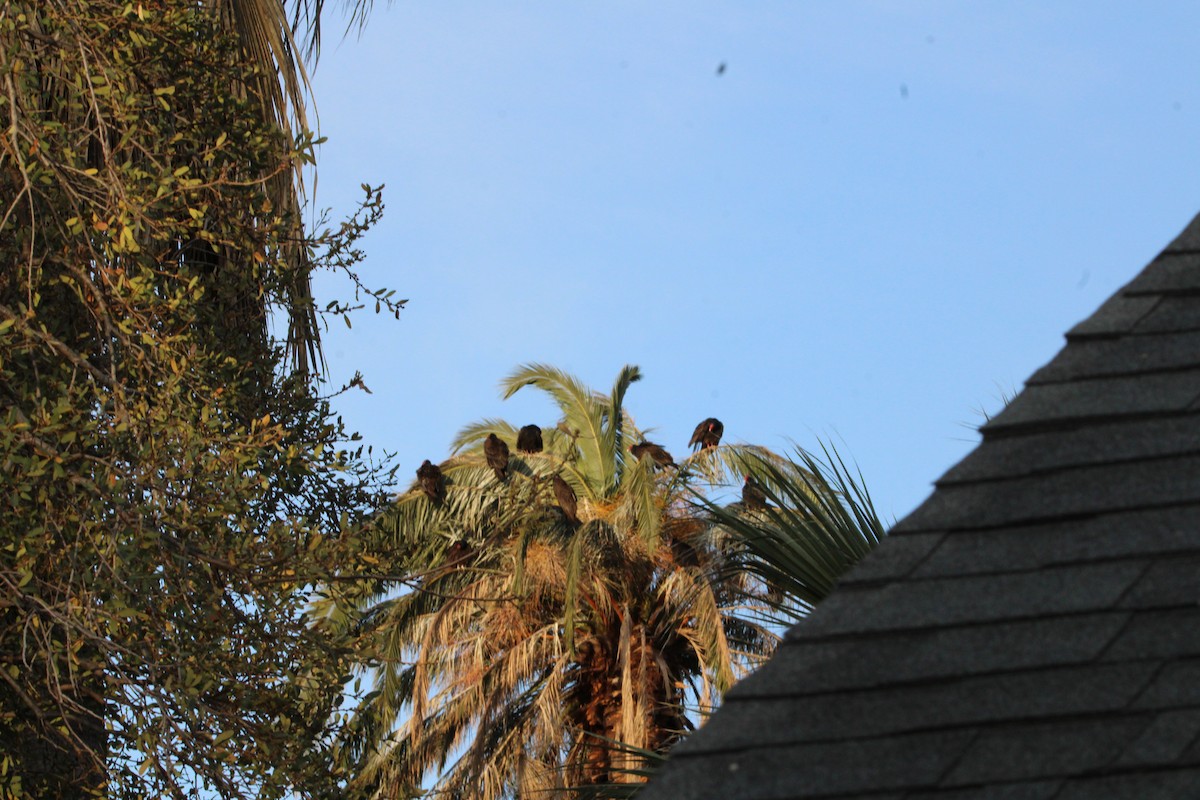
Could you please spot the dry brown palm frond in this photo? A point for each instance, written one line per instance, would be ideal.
(632, 727)
(279, 83)
(545, 570)
(538, 779)
(548, 711)
(502, 626)
(520, 663)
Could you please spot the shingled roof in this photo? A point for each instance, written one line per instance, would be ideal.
(1032, 631)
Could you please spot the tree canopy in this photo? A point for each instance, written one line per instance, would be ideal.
(174, 486)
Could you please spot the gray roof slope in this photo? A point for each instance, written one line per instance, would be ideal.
(1032, 631)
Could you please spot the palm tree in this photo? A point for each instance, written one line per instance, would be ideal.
(813, 521)
(276, 44)
(512, 649)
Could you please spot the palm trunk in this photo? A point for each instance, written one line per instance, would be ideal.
(628, 704)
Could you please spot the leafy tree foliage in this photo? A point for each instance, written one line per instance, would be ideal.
(172, 487)
(517, 651)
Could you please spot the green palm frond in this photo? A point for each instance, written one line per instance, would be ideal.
(640, 765)
(596, 423)
(615, 425)
(728, 464)
(641, 498)
(574, 399)
(476, 432)
(821, 522)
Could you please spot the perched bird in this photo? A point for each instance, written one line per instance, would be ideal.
(496, 452)
(753, 497)
(656, 452)
(566, 499)
(529, 440)
(432, 481)
(457, 553)
(707, 434)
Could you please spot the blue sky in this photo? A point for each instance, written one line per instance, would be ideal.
(877, 220)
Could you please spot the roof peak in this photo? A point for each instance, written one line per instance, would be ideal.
(1031, 628)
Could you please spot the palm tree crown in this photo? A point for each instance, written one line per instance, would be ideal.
(513, 649)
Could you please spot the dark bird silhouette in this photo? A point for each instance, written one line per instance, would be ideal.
(707, 434)
(457, 553)
(656, 452)
(529, 440)
(753, 497)
(432, 481)
(496, 452)
(721, 68)
(566, 499)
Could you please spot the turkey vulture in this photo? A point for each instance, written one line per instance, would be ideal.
(529, 440)
(707, 434)
(566, 499)
(432, 481)
(660, 456)
(496, 452)
(457, 553)
(753, 496)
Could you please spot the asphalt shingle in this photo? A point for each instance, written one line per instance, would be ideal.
(1048, 406)
(1127, 355)
(821, 663)
(1059, 496)
(1153, 533)
(1176, 685)
(1148, 785)
(1119, 315)
(1170, 273)
(1026, 790)
(1031, 631)
(935, 602)
(1164, 634)
(1101, 443)
(1164, 740)
(1168, 314)
(944, 704)
(903, 555)
(829, 770)
(1004, 752)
